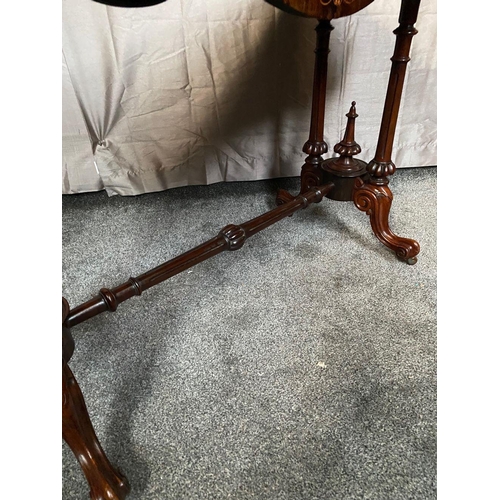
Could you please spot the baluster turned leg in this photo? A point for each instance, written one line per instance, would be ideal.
(105, 482)
(372, 195)
(311, 174)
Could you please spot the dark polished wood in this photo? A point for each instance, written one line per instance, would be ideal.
(106, 483)
(344, 169)
(311, 173)
(231, 237)
(130, 3)
(68, 344)
(347, 173)
(321, 9)
(382, 166)
(342, 178)
(373, 195)
(376, 201)
(316, 146)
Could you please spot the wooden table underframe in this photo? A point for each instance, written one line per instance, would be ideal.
(341, 178)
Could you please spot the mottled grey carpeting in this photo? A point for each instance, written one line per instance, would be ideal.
(302, 366)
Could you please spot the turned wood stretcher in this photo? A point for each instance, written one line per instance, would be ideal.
(341, 178)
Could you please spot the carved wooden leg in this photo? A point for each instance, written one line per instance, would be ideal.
(311, 174)
(373, 195)
(376, 201)
(105, 482)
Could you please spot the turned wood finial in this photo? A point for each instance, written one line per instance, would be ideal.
(345, 165)
(342, 170)
(348, 147)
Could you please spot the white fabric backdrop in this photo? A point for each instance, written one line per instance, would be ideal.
(203, 91)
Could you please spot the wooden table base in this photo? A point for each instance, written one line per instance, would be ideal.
(364, 184)
(342, 178)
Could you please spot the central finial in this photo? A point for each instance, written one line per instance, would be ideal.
(348, 147)
(343, 169)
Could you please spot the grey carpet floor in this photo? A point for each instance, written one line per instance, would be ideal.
(302, 366)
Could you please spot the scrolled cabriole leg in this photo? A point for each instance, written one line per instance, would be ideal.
(372, 195)
(376, 201)
(105, 482)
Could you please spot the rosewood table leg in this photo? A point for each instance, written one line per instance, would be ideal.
(376, 201)
(105, 482)
(311, 174)
(372, 194)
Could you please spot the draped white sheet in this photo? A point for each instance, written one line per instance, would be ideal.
(203, 91)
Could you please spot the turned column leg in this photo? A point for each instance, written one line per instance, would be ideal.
(372, 194)
(105, 482)
(311, 174)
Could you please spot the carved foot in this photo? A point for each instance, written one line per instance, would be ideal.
(105, 482)
(376, 201)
